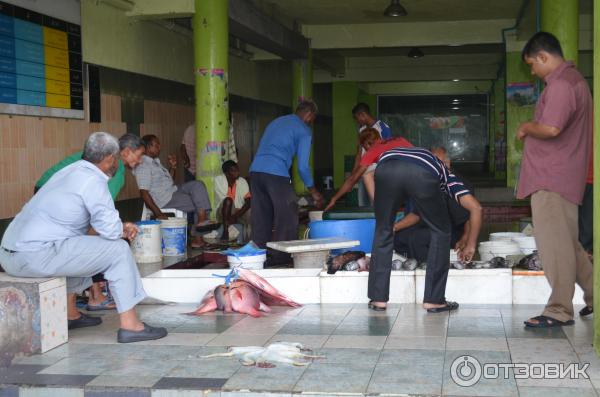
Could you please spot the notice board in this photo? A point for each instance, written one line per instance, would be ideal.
(41, 68)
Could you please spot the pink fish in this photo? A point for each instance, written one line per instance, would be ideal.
(266, 289)
(250, 294)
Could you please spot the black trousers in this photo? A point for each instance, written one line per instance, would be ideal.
(274, 208)
(586, 218)
(397, 180)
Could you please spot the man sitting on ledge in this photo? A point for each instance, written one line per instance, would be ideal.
(158, 189)
(233, 195)
(49, 238)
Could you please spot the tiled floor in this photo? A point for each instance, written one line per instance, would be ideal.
(398, 352)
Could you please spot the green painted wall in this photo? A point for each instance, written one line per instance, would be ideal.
(344, 97)
(111, 39)
(516, 72)
(429, 87)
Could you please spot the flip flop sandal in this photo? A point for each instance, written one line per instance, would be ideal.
(547, 322)
(102, 306)
(376, 308)
(447, 308)
(586, 311)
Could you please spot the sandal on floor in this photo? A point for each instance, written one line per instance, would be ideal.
(104, 305)
(586, 311)
(547, 322)
(447, 308)
(377, 308)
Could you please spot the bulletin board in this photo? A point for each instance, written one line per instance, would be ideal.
(41, 68)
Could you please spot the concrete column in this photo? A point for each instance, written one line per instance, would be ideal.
(596, 170)
(561, 18)
(302, 88)
(211, 45)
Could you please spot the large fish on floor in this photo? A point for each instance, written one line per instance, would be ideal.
(248, 294)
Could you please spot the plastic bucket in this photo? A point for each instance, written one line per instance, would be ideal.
(174, 236)
(362, 230)
(526, 244)
(252, 262)
(491, 249)
(315, 216)
(146, 246)
(507, 236)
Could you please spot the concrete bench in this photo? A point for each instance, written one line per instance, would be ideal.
(33, 315)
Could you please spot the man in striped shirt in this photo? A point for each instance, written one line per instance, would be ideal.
(415, 174)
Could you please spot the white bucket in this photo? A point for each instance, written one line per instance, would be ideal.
(491, 249)
(174, 236)
(146, 246)
(253, 262)
(507, 236)
(315, 216)
(526, 244)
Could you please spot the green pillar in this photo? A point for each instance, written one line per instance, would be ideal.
(211, 46)
(516, 113)
(596, 170)
(302, 88)
(561, 18)
(344, 98)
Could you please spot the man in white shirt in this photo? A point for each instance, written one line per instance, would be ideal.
(232, 195)
(49, 238)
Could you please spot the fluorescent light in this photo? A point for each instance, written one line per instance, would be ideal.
(455, 80)
(455, 108)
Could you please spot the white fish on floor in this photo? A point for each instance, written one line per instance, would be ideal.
(265, 357)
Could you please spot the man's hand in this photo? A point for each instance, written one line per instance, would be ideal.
(466, 253)
(318, 198)
(172, 159)
(161, 217)
(130, 230)
(521, 134)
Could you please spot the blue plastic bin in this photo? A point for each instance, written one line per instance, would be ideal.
(362, 230)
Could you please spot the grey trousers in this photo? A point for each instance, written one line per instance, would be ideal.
(78, 259)
(190, 197)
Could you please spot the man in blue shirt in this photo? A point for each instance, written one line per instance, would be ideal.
(274, 203)
(362, 115)
(49, 238)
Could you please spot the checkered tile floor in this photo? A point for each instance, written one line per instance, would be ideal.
(398, 352)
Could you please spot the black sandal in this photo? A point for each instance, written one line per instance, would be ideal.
(547, 322)
(586, 311)
(377, 308)
(447, 308)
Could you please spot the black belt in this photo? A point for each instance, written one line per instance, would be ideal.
(9, 251)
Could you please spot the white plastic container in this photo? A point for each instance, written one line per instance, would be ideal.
(506, 236)
(527, 244)
(315, 216)
(491, 249)
(173, 232)
(453, 256)
(147, 244)
(253, 262)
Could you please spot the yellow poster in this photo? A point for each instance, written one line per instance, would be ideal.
(58, 101)
(54, 73)
(55, 38)
(55, 57)
(57, 87)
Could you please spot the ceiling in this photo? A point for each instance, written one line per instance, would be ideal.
(332, 12)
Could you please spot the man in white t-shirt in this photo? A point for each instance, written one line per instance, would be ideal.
(232, 196)
(364, 119)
